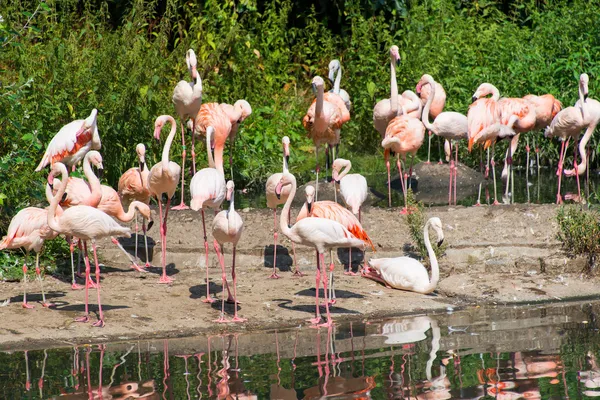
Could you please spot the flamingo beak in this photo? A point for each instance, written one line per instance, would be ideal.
(278, 190)
(141, 165)
(473, 99)
(51, 180)
(314, 89)
(64, 197)
(440, 242)
(150, 223)
(309, 207)
(100, 173)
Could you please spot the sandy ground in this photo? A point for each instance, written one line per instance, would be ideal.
(495, 255)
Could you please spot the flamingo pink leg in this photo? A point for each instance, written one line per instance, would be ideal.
(325, 281)
(208, 299)
(563, 150)
(236, 318)
(274, 274)
(25, 304)
(495, 203)
(221, 318)
(193, 146)
(404, 189)
(317, 318)
(332, 299)
(131, 259)
(100, 322)
(387, 165)
(86, 317)
(221, 257)
(145, 242)
(163, 241)
(451, 165)
(39, 278)
(74, 285)
(455, 171)
(428, 149)
(182, 205)
(440, 150)
(576, 172)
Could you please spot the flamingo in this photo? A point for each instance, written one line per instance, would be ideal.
(404, 135)
(319, 233)
(353, 187)
(163, 178)
(569, 123)
(133, 185)
(86, 223)
(482, 113)
(335, 77)
(72, 142)
(227, 228)
(187, 98)
(324, 119)
(29, 229)
(450, 125)
(215, 115)
(237, 113)
(273, 201)
(208, 191)
(406, 273)
(424, 90)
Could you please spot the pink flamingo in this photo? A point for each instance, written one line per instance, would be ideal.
(163, 178)
(72, 142)
(335, 77)
(320, 233)
(324, 119)
(187, 98)
(353, 187)
(29, 229)
(273, 201)
(482, 113)
(86, 223)
(450, 125)
(569, 123)
(213, 114)
(404, 135)
(208, 191)
(546, 108)
(425, 90)
(237, 113)
(133, 186)
(227, 228)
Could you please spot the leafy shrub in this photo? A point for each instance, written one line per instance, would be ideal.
(416, 220)
(579, 232)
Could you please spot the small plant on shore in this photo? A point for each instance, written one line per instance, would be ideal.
(416, 221)
(579, 232)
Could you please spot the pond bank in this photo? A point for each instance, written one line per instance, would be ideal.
(495, 255)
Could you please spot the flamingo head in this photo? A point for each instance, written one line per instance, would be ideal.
(336, 167)
(57, 169)
(436, 224)
(395, 54)
(483, 90)
(317, 83)
(426, 79)
(286, 148)
(230, 187)
(310, 197)
(95, 158)
(140, 149)
(584, 79)
(334, 66)
(286, 179)
(158, 125)
(244, 109)
(190, 59)
(145, 211)
(389, 142)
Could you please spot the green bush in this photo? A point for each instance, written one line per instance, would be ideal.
(579, 232)
(416, 220)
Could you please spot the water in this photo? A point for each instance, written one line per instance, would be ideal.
(544, 351)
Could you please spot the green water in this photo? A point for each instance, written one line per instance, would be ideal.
(545, 352)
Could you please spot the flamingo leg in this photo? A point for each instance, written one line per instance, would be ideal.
(194, 146)
(317, 169)
(403, 183)
(576, 172)
(455, 170)
(386, 155)
(74, 285)
(563, 150)
(494, 177)
(208, 299)
(327, 162)
(100, 322)
(221, 318)
(428, 149)
(39, 278)
(274, 274)
(136, 235)
(145, 242)
(25, 304)
(329, 323)
(236, 318)
(451, 165)
(332, 299)
(527, 167)
(182, 205)
(487, 165)
(440, 162)
(317, 318)
(163, 241)
(86, 317)
(508, 168)
(131, 259)
(221, 257)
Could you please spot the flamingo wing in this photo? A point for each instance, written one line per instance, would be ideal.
(482, 113)
(23, 224)
(67, 142)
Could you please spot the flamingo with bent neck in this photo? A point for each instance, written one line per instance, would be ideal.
(227, 228)
(335, 77)
(320, 233)
(86, 223)
(163, 178)
(353, 187)
(238, 112)
(406, 273)
(187, 98)
(450, 125)
(424, 90)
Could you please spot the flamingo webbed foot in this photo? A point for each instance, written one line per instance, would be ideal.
(75, 286)
(274, 276)
(440, 162)
(99, 323)
(83, 319)
(137, 268)
(221, 320)
(327, 324)
(165, 279)
(350, 273)
(147, 265)
(314, 321)
(298, 273)
(182, 206)
(239, 319)
(48, 305)
(209, 300)
(27, 306)
(495, 203)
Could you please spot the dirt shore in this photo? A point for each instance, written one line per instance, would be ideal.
(495, 255)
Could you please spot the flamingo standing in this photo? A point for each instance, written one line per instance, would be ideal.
(404, 135)
(320, 233)
(86, 223)
(450, 125)
(353, 187)
(29, 229)
(72, 142)
(482, 113)
(187, 98)
(407, 273)
(133, 186)
(546, 108)
(273, 201)
(163, 178)
(237, 113)
(227, 228)
(208, 191)
(324, 119)
(425, 90)
(335, 77)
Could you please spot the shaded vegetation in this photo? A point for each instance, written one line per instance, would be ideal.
(416, 220)
(579, 232)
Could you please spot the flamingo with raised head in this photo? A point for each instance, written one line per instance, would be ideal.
(450, 125)
(187, 98)
(406, 273)
(320, 233)
(425, 90)
(227, 228)
(335, 77)
(208, 191)
(86, 223)
(404, 135)
(273, 201)
(72, 142)
(163, 178)
(133, 186)
(237, 113)
(353, 187)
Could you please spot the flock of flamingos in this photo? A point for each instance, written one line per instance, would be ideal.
(83, 210)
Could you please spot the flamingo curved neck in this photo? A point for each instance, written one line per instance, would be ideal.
(211, 160)
(425, 115)
(128, 216)
(582, 166)
(345, 170)
(284, 219)
(198, 87)
(338, 80)
(319, 105)
(167, 148)
(495, 93)
(218, 162)
(285, 164)
(393, 88)
(435, 272)
(96, 188)
(581, 100)
(53, 222)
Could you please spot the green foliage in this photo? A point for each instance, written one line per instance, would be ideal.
(579, 232)
(416, 220)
